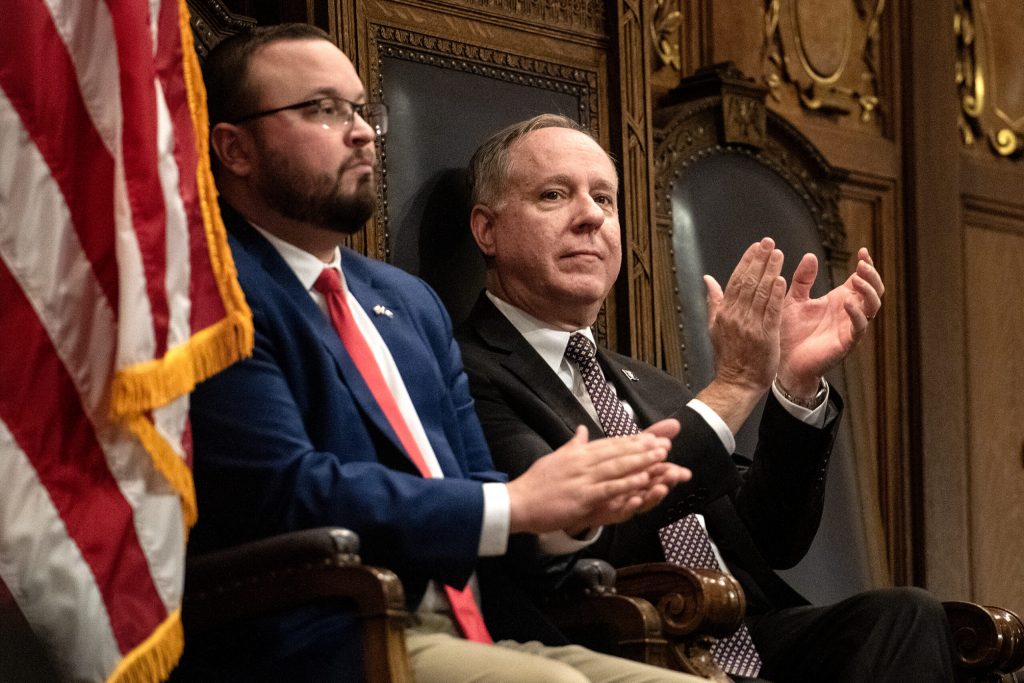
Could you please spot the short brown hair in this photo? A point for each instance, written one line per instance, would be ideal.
(226, 69)
(491, 163)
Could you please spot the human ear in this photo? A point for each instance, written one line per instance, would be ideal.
(233, 148)
(481, 224)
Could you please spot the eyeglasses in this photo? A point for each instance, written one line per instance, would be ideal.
(334, 112)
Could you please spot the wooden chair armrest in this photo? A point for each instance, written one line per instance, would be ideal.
(295, 569)
(689, 600)
(989, 640)
(590, 612)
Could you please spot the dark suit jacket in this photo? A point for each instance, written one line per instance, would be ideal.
(762, 514)
(293, 439)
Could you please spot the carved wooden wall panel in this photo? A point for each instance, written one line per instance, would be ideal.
(826, 52)
(990, 74)
(877, 382)
(995, 336)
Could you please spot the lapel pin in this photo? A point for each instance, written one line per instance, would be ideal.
(630, 376)
(382, 310)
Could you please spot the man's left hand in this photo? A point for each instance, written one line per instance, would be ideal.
(816, 334)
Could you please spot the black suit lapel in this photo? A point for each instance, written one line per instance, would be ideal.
(522, 361)
(629, 390)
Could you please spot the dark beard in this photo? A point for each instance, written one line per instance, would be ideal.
(316, 200)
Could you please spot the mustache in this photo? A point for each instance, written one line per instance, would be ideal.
(359, 158)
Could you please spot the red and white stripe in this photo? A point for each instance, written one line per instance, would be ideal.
(103, 265)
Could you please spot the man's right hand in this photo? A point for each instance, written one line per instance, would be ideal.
(593, 483)
(743, 322)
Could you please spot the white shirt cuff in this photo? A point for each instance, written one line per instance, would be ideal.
(813, 417)
(497, 518)
(561, 543)
(716, 423)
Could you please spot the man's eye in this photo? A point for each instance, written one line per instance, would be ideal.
(328, 108)
(551, 194)
(604, 199)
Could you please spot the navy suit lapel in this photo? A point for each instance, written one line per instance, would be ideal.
(397, 328)
(522, 361)
(276, 267)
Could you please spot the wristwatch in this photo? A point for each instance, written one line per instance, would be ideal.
(809, 403)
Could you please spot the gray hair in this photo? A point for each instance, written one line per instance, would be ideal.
(492, 162)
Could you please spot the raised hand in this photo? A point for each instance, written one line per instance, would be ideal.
(743, 322)
(593, 483)
(816, 334)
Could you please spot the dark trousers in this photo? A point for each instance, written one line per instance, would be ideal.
(895, 634)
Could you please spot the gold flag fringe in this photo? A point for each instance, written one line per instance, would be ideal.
(155, 657)
(155, 383)
(140, 388)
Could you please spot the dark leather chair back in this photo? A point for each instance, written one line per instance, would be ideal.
(729, 172)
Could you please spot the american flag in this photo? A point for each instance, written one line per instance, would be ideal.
(117, 295)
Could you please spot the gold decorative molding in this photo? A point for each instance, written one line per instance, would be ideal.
(984, 111)
(574, 15)
(828, 51)
(665, 22)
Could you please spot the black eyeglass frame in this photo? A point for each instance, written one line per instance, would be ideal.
(357, 108)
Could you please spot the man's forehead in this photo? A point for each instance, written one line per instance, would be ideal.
(562, 151)
(314, 61)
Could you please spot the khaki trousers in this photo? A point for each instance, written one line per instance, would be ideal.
(439, 655)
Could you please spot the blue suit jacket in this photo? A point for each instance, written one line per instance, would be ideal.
(293, 439)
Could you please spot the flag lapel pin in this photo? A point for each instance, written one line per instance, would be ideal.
(630, 376)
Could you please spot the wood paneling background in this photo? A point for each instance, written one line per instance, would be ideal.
(922, 105)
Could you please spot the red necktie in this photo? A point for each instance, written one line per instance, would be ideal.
(464, 606)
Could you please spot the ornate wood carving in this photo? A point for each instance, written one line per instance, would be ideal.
(211, 22)
(665, 22)
(828, 51)
(720, 111)
(637, 145)
(575, 15)
(990, 73)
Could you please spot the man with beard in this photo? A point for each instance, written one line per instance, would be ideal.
(354, 410)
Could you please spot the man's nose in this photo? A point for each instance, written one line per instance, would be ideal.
(590, 215)
(361, 133)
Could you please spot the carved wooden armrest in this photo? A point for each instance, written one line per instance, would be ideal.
(590, 611)
(989, 640)
(299, 568)
(696, 606)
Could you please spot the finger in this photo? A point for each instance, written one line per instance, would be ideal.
(580, 436)
(864, 255)
(624, 467)
(773, 308)
(602, 492)
(745, 279)
(803, 278)
(766, 285)
(858, 320)
(871, 303)
(609, 448)
(669, 473)
(871, 276)
(667, 428)
(714, 298)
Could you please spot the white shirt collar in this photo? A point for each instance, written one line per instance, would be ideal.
(306, 266)
(548, 341)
